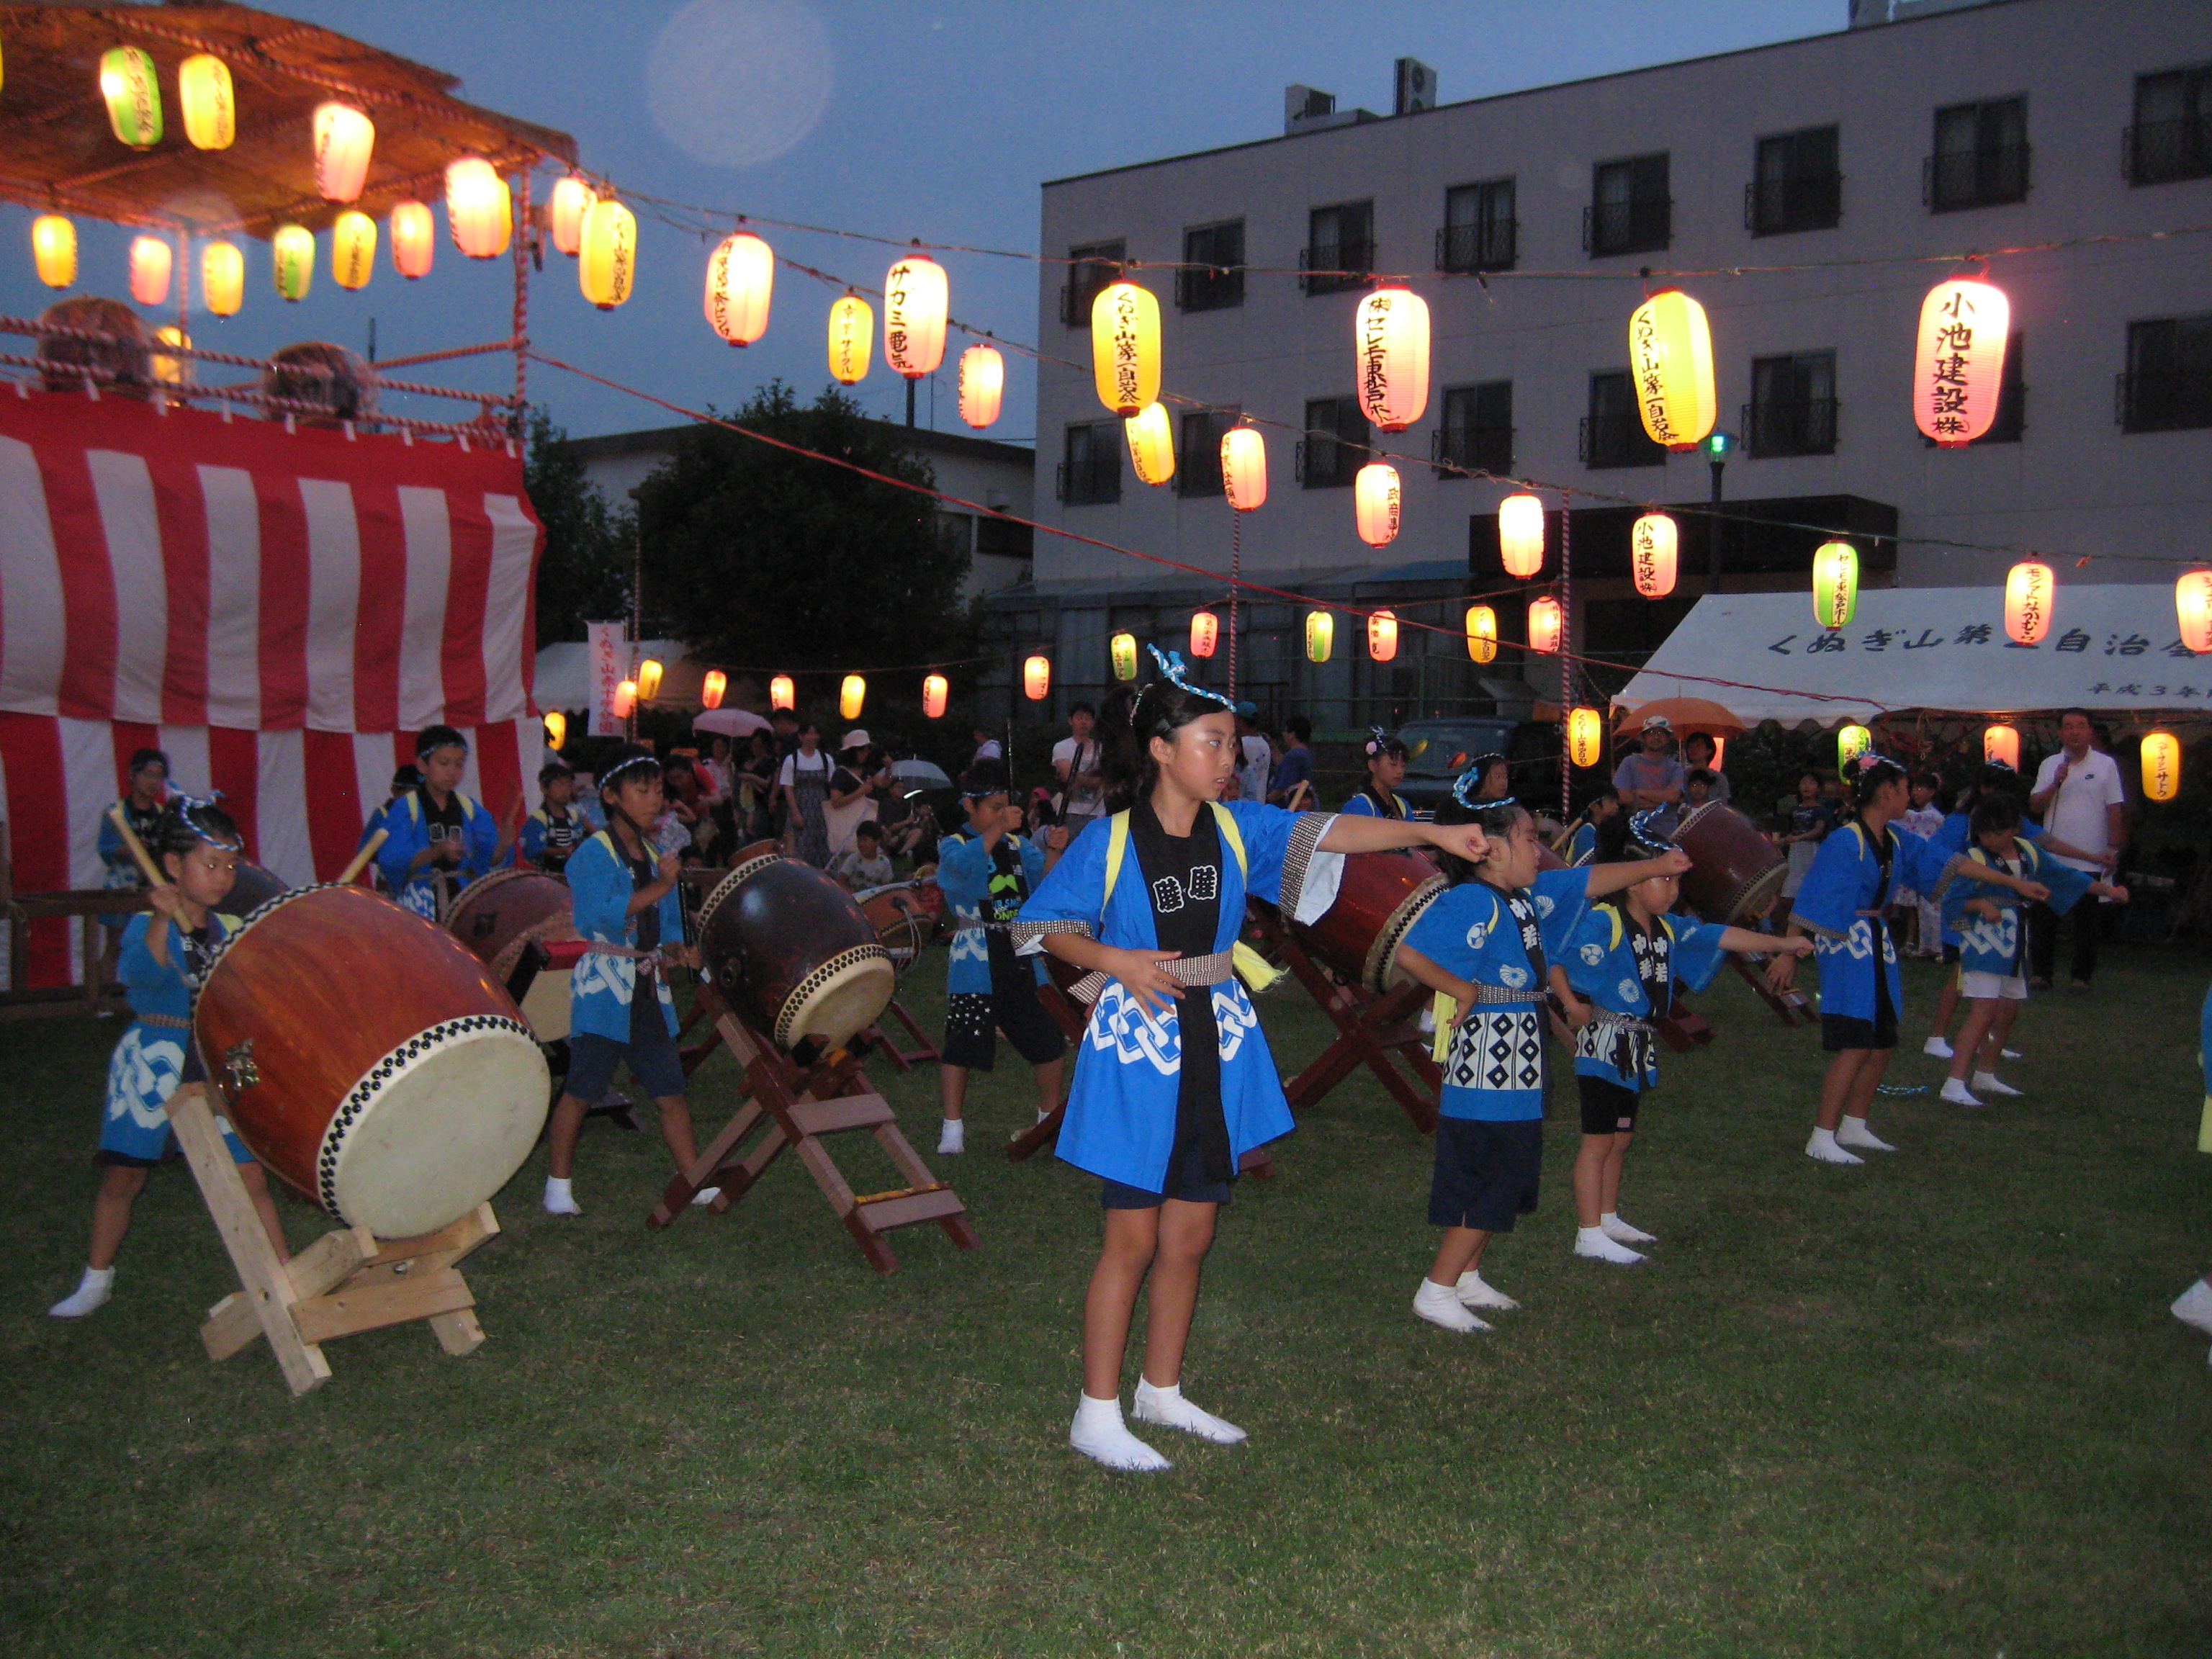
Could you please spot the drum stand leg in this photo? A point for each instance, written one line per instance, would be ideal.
(1370, 1029)
(906, 1060)
(1789, 1007)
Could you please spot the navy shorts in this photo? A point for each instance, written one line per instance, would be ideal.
(651, 1052)
(973, 1020)
(1186, 1182)
(1608, 1107)
(1486, 1172)
(1840, 1031)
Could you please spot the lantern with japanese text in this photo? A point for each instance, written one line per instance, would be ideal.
(648, 679)
(1321, 635)
(151, 258)
(414, 240)
(1390, 334)
(606, 265)
(1957, 366)
(344, 138)
(625, 702)
(1123, 650)
(852, 336)
(1481, 633)
(1651, 548)
(353, 249)
(1851, 742)
(1670, 363)
(1382, 634)
(1125, 348)
(2028, 593)
(781, 693)
(1244, 468)
(171, 370)
(1376, 500)
(983, 383)
(1204, 633)
(1835, 583)
(210, 104)
(1546, 623)
(53, 249)
(222, 278)
(479, 211)
(1152, 444)
(1036, 678)
(2162, 766)
(852, 695)
(2192, 609)
(935, 690)
(1586, 737)
(132, 88)
(915, 303)
(740, 278)
(292, 261)
(1520, 534)
(2000, 742)
(564, 213)
(712, 689)
(557, 728)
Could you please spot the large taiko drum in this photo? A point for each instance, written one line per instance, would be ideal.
(786, 942)
(906, 916)
(501, 917)
(253, 888)
(1378, 899)
(1735, 870)
(369, 1060)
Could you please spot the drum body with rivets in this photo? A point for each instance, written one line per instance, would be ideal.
(1735, 870)
(498, 917)
(1378, 899)
(790, 947)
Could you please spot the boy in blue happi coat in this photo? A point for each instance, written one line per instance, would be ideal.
(439, 839)
(561, 824)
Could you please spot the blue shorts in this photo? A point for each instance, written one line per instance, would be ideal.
(1186, 1182)
(651, 1051)
(1486, 1172)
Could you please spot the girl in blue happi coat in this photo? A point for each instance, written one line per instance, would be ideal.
(436, 834)
(1625, 956)
(1173, 1079)
(1379, 797)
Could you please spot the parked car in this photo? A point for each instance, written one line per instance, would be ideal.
(1437, 751)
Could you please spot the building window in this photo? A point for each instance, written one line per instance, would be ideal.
(1340, 250)
(1613, 431)
(1093, 266)
(1221, 248)
(1794, 184)
(1091, 469)
(1630, 210)
(1477, 433)
(1480, 231)
(1004, 538)
(2168, 384)
(1335, 444)
(1198, 468)
(1981, 156)
(2172, 138)
(1792, 409)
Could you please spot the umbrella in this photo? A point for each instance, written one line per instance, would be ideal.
(730, 722)
(1684, 714)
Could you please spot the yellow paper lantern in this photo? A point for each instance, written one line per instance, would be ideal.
(1652, 545)
(1321, 635)
(344, 139)
(414, 240)
(1851, 742)
(479, 211)
(1244, 468)
(853, 695)
(222, 278)
(1390, 334)
(557, 728)
(1152, 444)
(1204, 633)
(606, 269)
(1123, 648)
(648, 679)
(781, 693)
(1376, 502)
(53, 249)
(2162, 766)
(292, 261)
(210, 104)
(1585, 738)
(852, 331)
(1670, 359)
(353, 249)
(151, 259)
(625, 699)
(172, 370)
(564, 213)
(1520, 534)
(2000, 742)
(1036, 678)
(1545, 625)
(1835, 583)
(1957, 365)
(983, 383)
(712, 689)
(1125, 348)
(934, 692)
(915, 305)
(1481, 633)
(740, 281)
(2192, 609)
(1382, 634)
(132, 88)
(2029, 591)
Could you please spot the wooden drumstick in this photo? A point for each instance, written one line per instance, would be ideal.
(351, 873)
(122, 822)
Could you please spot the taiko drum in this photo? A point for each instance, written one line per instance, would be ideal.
(500, 917)
(786, 942)
(1379, 897)
(1735, 870)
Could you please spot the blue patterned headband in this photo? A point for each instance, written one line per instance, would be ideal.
(1640, 831)
(627, 764)
(1171, 665)
(1467, 781)
(185, 805)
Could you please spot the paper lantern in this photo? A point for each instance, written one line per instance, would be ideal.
(1204, 633)
(781, 694)
(1321, 635)
(1720, 751)
(151, 258)
(1585, 738)
(1958, 365)
(1835, 583)
(851, 329)
(132, 89)
(557, 728)
(1481, 633)
(1670, 362)
(2193, 608)
(170, 370)
(1390, 333)
(1152, 444)
(414, 240)
(53, 249)
(1036, 678)
(915, 303)
(572, 196)
(222, 278)
(852, 695)
(344, 138)
(292, 261)
(478, 210)
(2000, 742)
(740, 278)
(1375, 503)
(711, 688)
(1244, 468)
(1520, 534)
(2028, 593)
(353, 249)
(648, 679)
(1851, 742)
(934, 691)
(1545, 624)
(1382, 636)
(1124, 651)
(210, 104)
(2162, 766)
(625, 698)
(1125, 348)
(606, 267)
(1652, 544)
(982, 382)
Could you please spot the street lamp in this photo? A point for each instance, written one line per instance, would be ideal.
(1717, 446)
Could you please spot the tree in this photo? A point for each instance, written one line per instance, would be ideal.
(584, 575)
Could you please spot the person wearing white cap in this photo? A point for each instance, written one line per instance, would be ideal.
(1650, 780)
(852, 791)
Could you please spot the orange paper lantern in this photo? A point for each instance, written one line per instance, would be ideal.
(479, 211)
(2162, 766)
(1545, 624)
(1376, 502)
(557, 728)
(625, 698)
(915, 304)
(1390, 333)
(565, 213)
(852, 335)
(53, 249)
(781, 694)
(344, 138)
(1670, 360)
(414, 240)
(648, 679)
(1204, 632)
(983, 383)
(740, 280)
(222, 278)
(934, 691)
(713, 688)
(353, 249)
(1520, 534)
(1958, 368)
(2193, 608)
(2028, 593)
(1152, 444)
(1036, 678)
(1244, 468)
(2002, 743)
(852, 695)
(1652, 550)
(1125, 348)
(1382, 636)
(606, 266)
(1585, 738)
(151, 260)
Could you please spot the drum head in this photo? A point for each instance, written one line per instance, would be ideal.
(842, 997)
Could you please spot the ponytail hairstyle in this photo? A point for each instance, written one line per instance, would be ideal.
(1380, 743)
(1864, 777)
(1131, 720)
(187, 824)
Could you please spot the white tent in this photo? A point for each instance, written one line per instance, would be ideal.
(2114, 649)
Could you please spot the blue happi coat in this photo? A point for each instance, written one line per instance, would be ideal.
(1955, 836)
(964, 867)
(1365, 806)
(1844, 880)
(1121, 1121)
(408, 835)
(1994, 947)
(1600, 960)
(530, 840)
(148, 1063)
(600, 987)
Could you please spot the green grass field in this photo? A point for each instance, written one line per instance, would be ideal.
(1933, 1406)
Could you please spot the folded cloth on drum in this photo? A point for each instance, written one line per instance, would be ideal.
(1183, 970)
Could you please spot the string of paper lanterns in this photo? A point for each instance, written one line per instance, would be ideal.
(1152, 444)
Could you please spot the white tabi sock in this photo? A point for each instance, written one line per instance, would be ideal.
(1167, 1408)
(1621, 1232)
(91, 1291)
(1822, 1147)
(1955, 1092)
(953, 1139)
(1987, 1082)
(559, 1200)
(705, 1195)
(1474, 1292)
(1938, 1046)
(1854, 1131)
(1440, 1305)
(2194, 1306)
(1592, 1242)
(1097, 1432)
